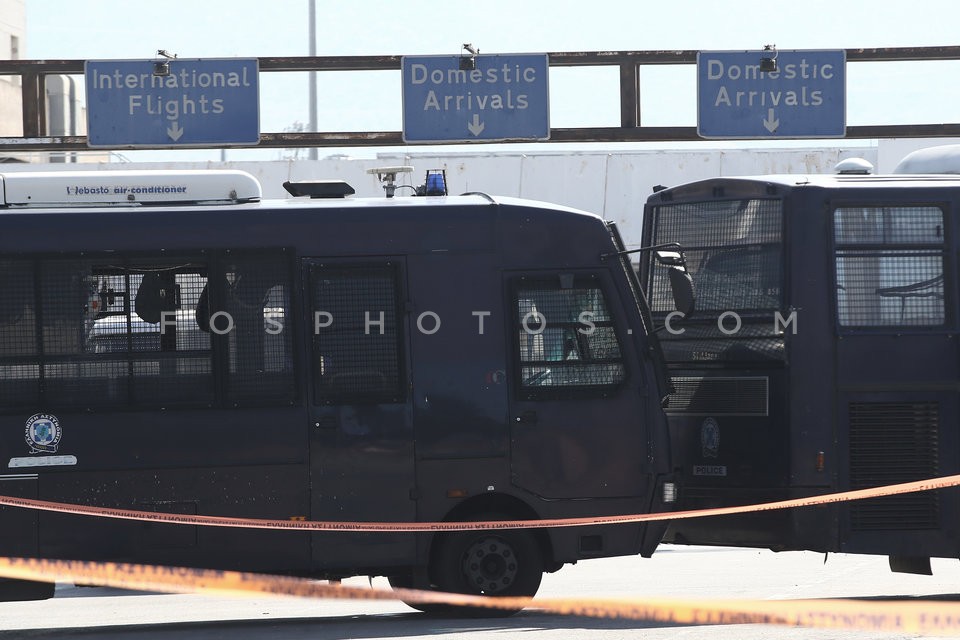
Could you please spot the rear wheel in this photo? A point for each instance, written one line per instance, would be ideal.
(490, 563)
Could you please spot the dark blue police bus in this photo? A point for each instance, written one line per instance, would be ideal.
(171, 343)
(823, 357)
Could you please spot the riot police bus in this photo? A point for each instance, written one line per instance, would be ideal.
(823, 357)
(171, 342)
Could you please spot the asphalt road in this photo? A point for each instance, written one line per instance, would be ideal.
(85, 612)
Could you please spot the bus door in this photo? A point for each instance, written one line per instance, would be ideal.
(578, 406)
(460, 391)
(361, 442)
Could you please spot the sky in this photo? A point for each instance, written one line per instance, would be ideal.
(877, 93)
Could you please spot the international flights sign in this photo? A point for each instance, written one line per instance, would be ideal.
(805, 97)
(172, 103)
(475, 98)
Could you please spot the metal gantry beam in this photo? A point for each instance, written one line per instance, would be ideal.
(35, 136)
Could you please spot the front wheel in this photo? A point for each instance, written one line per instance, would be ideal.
(21, 590)
(490, 563)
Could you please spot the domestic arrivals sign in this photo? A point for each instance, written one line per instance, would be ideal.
(475, 98)
(803, 97)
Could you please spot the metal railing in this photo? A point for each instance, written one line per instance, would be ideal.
(33, 75)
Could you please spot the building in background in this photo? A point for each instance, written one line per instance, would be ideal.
(66, 115)
(13, 27)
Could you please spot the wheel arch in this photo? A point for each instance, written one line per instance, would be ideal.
(507, 507)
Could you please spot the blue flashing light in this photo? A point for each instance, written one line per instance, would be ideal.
(436, 182)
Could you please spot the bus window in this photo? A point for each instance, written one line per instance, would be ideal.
(733, 253)
(18, 335)
(123, 330)
(119, 327)
(565, 336)
(118, 330)
(889, 266)
(356, 338)
(255, 302)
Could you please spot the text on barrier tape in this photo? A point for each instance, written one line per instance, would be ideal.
(253, 523)
(925, 618)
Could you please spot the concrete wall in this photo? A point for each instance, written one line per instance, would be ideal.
(614, 185)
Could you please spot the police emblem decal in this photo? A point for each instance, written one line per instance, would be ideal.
(710, 438)
(43, 433)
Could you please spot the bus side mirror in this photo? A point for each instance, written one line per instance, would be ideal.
(670, 258)
(681, 284)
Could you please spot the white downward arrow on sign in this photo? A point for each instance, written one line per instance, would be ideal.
(174, 131)
(771, 122)
(476, 127)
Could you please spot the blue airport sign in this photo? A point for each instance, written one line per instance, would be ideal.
(172, 102)
(804, 98)
(475, 98)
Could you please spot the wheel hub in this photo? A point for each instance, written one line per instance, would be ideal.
(490, 565)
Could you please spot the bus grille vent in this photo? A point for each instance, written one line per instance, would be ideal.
(719, 396)
(893, 442)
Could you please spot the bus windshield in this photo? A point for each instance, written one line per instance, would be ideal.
(733, 253)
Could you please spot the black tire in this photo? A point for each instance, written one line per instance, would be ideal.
(21, 590)
(490, 563)
(405, 581)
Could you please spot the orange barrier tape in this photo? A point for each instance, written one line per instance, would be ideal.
(925, 618)
(252, 523)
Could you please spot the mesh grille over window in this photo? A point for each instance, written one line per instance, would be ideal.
(565, 336)
(256, 294)
(889, 266)
(19, 367)
(356, 334)
(133, 330)
(733, 250)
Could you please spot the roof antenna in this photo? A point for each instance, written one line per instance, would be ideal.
(388, 177)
